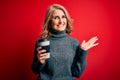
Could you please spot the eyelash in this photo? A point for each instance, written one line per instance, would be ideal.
(63, 17)
(56, 17)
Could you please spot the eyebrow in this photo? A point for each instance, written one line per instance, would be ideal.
(58, 16)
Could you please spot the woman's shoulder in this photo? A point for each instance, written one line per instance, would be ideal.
(38, 39)
(74, 40)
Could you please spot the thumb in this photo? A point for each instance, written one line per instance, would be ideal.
(83, 42)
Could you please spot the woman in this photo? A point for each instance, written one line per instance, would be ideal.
(67, 58)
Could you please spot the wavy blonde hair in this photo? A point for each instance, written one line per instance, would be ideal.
(45, 27)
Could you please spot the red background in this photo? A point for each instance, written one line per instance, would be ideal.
(20, 26)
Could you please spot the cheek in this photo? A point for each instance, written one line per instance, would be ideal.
(54, 23)
(65, 21)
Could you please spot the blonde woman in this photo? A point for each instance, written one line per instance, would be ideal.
(67, 57)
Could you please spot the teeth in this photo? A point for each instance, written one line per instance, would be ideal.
(60, 25)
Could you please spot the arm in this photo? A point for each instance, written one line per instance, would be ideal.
(79, 62)
(36, 65)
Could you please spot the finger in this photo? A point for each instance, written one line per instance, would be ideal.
(39, 48)
(40, 55)
(44, 54)
(93, 40)
(83, 42)
(41, 51)
(43, 58)
(95, 44)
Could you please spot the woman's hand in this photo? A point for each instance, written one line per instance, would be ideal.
(41, 55)
(89, 44)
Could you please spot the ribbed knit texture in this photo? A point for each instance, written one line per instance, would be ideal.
(67, 60)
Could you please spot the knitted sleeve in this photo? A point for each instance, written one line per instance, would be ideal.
(36, 66)
(79, 62)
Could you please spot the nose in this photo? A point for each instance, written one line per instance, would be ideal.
(60, 20)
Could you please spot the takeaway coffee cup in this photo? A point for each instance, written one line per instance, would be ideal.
(45, 44)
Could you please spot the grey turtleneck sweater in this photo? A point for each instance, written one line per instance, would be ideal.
(67, 60)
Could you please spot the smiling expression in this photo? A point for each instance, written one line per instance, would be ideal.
(58, 21)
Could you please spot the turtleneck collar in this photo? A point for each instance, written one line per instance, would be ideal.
(57, 34)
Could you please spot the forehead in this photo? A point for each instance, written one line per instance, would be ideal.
(58, 12)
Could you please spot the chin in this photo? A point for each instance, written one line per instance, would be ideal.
(60, 29)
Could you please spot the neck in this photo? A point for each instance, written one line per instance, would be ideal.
(58, 34)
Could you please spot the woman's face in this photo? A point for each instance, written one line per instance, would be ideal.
(58, 21)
